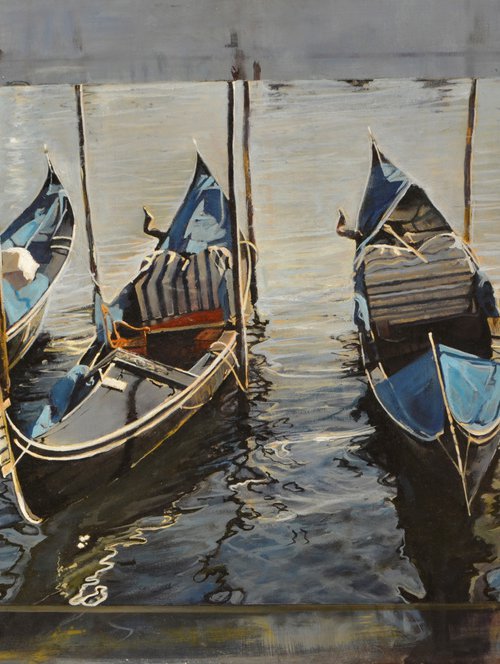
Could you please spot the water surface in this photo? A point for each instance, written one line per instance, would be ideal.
(299, 497)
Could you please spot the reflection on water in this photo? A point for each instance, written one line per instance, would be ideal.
(300, 494)
(439, 538)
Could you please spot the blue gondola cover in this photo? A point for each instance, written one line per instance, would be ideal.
(203, 217)
(385, 184)
(413, 395)
(34, 231)
(472, 389)
(198, 240)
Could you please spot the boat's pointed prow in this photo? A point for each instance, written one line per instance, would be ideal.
(385, 187)
(23, 506)
(377, 156)
(47, 157)
(52, 177)
(341, 223)
(201, 166)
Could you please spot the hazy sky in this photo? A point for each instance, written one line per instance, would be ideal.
(52, 41)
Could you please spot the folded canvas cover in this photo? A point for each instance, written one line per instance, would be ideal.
(413, 395)
(404, 288)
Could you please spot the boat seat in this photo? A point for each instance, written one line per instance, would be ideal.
(152, 369)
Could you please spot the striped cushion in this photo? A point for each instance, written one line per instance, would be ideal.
(174, 285)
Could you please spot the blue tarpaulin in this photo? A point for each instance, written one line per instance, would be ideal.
(60, 398)
(472, 389)
(33, 230)
(413, 395)
(202, 221)
(17, 302)
(385, 184)
(203, 218)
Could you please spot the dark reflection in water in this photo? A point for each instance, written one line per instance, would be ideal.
(439, 536)
(229, 510)
(456, 637)
(84, 540)
(441, 542)
(232, 510)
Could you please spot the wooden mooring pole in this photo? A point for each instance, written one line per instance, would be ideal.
(248, 189)
(468, 162)
(241, 350)
(86, 205)
(6, 459)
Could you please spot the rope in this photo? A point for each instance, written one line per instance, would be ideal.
(230, 367)
(233, 371)
(252, 246)
(391, 231)
(467, 450)
(197, 407)
(229, 350)
(443, 447)
(24, 450)
(119, 341)
(235, 359)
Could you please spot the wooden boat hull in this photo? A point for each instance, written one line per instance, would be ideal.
(19, 343)
(56, 250)
(436, 460)
(421, 299)
(46, 485)
(152, 366)
(437, 464)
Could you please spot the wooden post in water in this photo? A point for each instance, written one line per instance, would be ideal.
(248, 188)
(6, 459)
(241, 350)
(4, 356)
(468, 162)
(83, 174)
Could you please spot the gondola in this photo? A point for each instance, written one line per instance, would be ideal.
(162, 348)
(35, 248)
(423, 309)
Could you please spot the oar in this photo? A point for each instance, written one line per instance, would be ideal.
(391, 231)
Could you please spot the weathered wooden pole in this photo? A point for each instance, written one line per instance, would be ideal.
(4, 356)
(248, 188)
(468, 162)
(241, 349)
(5, 455)
(86, 205)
